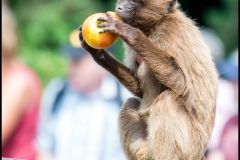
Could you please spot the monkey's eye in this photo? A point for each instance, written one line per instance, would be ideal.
(134, 1)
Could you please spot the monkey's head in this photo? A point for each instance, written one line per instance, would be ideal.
(144, 13)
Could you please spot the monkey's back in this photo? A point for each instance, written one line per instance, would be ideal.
(180, 37)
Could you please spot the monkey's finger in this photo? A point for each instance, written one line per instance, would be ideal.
(80, 36)
(80, 28)
(102, 31)
(109, 29)
(109, 15)
(92, 50)
(105, 30)
(102, 19)
(85, 45)
(103, 24)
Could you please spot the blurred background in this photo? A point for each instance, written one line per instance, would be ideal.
(45, 27)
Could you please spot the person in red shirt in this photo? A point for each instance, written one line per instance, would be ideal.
(229, 139)
(21, 93)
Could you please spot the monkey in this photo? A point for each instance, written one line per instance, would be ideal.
(170, 71)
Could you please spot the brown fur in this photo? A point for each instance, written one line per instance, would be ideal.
(177, 84)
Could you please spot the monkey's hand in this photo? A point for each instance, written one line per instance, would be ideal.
(120, 71)
(96, 53)
(126, 32)
(109, 23)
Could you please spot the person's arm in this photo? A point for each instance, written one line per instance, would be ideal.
(16, 95)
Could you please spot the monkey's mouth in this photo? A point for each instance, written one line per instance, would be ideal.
(139, 60)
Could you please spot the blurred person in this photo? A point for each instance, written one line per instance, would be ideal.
(227, 117)
(21, 93)
(226, 105)
(229, 71)
(79, 116)
(228, 144)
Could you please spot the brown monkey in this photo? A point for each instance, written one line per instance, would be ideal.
(170, 70)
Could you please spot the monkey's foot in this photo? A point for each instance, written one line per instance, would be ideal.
(141, 155)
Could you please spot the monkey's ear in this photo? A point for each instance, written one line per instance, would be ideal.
(171, 5)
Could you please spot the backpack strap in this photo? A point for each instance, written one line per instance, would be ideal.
(58, 98)
(118, 97)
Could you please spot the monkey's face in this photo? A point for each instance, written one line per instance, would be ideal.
(127, 9)
(143, 13)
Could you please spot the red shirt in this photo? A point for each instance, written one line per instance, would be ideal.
(21, 144)
(229, 140)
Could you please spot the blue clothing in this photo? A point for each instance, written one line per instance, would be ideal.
(81, 127)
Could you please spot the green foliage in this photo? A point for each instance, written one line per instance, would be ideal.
(45, 63)
(44, 27)
(225, 22)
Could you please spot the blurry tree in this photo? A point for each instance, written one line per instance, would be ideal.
(224, 21)
(45, 27)
(195, 9)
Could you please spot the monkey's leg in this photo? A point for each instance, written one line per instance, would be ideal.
(133, 131)
(170, 132)
(116, 68)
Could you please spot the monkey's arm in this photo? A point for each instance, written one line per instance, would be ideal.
(116, 68)
(165, 67)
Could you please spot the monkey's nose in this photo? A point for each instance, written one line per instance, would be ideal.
(119, 8)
